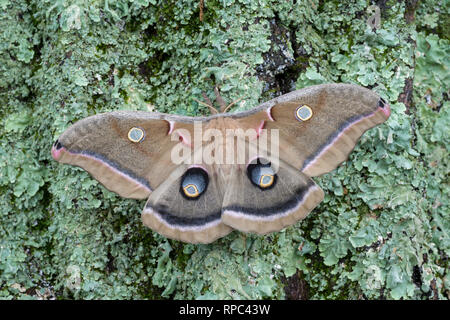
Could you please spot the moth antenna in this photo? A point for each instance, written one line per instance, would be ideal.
(220, 100)
(201, 5)
(206, 98)
(232, 104)
(214, 110)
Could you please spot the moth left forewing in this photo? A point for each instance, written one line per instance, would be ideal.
(129, 152)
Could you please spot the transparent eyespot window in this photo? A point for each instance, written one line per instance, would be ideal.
(266, 180)
(303, 113)
(136, 134)
(191, 191)
(261, 174)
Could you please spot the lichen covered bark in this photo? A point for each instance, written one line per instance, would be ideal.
(383, 228)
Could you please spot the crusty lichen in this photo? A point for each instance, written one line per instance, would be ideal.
(383, 228)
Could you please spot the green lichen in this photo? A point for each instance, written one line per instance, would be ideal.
(382, 230)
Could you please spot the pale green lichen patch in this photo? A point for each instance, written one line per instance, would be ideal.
(382, 230)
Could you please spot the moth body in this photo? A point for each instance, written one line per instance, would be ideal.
(203, 177)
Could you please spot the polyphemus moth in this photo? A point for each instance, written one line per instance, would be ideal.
(308, 132)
